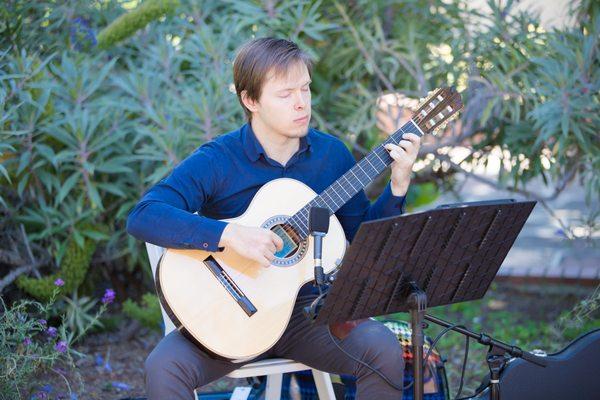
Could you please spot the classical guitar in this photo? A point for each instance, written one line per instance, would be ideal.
(234, 309)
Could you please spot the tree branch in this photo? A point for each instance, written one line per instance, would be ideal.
(14, 274)
(363, 49)
(530, 195)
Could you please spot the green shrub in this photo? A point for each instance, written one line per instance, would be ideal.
(147, 312)
(85, 131)
(73, 269)
(127, 24)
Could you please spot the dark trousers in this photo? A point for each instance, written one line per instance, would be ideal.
(176, 366)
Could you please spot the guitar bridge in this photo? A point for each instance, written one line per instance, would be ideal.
(229, 285)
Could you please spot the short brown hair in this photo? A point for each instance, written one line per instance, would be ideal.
(256, 58)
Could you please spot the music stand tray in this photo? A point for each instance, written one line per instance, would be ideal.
(409, 262)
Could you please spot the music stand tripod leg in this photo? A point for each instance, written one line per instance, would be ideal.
(417, 300)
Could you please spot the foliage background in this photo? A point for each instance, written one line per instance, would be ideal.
(100, 99)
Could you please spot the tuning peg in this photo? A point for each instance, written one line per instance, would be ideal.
(426, 98)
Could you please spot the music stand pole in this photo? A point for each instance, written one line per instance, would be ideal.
(417, 301)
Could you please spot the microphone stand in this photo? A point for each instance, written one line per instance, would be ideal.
(499, 353)
(318, 225)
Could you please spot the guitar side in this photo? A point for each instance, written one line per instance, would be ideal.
(203, 305)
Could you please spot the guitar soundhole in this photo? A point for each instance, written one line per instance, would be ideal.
(290, 239)
(294, 248)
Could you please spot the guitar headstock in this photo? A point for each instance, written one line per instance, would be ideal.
(437, 109)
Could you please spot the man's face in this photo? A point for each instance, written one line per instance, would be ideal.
(284, 104)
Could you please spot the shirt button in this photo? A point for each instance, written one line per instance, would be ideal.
(205, 245)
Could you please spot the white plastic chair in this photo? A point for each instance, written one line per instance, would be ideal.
(273, 368)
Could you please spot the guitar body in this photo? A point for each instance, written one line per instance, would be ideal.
(203, 307)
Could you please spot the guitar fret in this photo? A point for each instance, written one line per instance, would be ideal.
(304, 225)
(336, 193)
(376, 165)
(375, 152)
(368, 161)
(330, 197)
(324, 203)
(358, 164)
(344, 189)
(349, 182)
(356, 176)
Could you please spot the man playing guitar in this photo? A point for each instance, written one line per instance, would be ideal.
(272, 79)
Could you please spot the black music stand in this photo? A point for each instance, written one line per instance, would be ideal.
(406, 263)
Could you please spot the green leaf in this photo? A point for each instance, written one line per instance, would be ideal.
(94, 196)
(67, 186)
(5, 173)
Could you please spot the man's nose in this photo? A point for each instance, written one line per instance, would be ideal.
(299, 101)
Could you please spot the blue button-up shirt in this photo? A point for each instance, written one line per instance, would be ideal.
(220, 178)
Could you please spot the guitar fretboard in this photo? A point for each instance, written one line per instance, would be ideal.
(354, 180)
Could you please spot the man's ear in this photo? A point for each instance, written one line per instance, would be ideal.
(250, 104)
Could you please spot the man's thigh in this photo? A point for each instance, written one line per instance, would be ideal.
(370, 341)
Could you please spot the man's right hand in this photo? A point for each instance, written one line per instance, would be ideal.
(257, 244)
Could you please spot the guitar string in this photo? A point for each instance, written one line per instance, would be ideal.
(304, 212)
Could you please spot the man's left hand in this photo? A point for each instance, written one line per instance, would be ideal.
(404, 155)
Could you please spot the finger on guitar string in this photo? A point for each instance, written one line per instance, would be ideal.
(277, 241)
(411, 137)
(406, 145)
(395, 151)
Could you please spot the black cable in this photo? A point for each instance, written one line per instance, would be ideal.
(400, 388)
(434, 344)
(464, 367)
(425, 361)
(438, 337)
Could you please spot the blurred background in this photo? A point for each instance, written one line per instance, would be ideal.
(101, 99)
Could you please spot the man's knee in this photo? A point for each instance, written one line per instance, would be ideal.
(155, 365)
(382, 347)
(160, 363)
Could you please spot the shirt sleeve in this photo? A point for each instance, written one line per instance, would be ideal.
(359, 209)
(165, 216)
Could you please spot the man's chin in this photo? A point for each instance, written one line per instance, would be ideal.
(298, 132)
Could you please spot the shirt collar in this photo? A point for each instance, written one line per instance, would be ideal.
(254, 149)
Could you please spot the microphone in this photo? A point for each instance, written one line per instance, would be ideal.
(318, 226)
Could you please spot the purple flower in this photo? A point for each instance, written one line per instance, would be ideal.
(47, 388)
(109, 296)
(99, 360)
(43, 322)
(61, 346)
(107, 366)
(81, 34)
(27, 341)
(121, 385)
(59, 282)
(51, 331)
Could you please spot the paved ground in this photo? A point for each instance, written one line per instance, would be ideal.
(541, 250)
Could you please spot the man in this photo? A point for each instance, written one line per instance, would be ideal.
(272, 80)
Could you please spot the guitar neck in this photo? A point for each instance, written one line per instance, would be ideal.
(353, 181)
